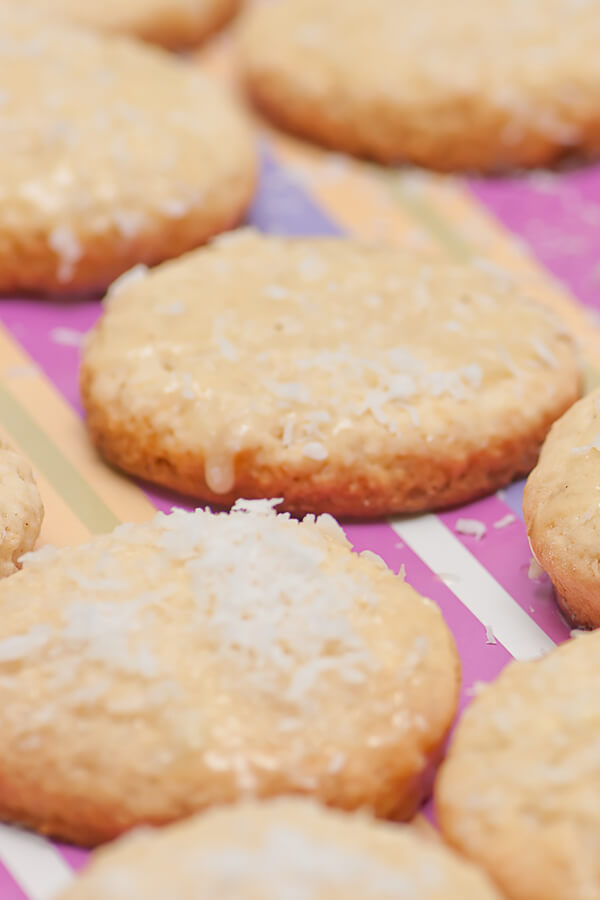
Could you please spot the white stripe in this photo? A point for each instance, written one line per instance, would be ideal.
(34, 863)
(441, 550)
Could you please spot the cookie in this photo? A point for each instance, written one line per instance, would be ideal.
(171, 23)
(275, 851)
(111, 153)
(21, 509)
(344, 378)
(562, 510)
(519, 792)
(202, 658)
(463, 85)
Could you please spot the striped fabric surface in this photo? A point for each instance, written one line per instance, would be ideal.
(542, 227)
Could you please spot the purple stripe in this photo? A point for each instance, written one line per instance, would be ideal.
(32, 322)
(558, 216)
(506, 555)
(283, 206)
(480, 661)
(513, 497)
(75, 857)
(9, 889)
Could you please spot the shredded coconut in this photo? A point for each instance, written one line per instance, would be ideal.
(472, 527)
(137, 273)
(578, 632)
(129, 221)
(176, 308)
(314, 450)
(276, 292)
(535, 571)
(593, 445)
(506, 520)
(67, 337)
(21, 646)
(65, 244)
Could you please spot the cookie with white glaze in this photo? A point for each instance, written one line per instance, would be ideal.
(21, 509)
(280, 850)
(453, 86)
(344, 378)
(112, 153)
(200, 659)
(519, 792)
(171, 23)
(562, 510)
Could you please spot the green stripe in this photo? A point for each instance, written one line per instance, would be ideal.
(424, 213)
(47, 458)
(591, 379)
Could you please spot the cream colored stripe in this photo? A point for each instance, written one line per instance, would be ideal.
(36, 866)
(476, 588)
(44, 406)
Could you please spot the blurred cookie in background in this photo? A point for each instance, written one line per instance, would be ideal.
(174, 24)
(452, 86)
(112, 153)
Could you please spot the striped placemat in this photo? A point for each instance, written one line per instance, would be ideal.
(541, 227)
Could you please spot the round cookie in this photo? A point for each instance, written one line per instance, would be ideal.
(461, 85)
(199, 659)
(112, 153)
(347, 379)
(170, 23)
(21, 509)
(562, 510)
(519, 792)
(278, 851)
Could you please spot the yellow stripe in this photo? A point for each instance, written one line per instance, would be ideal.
(38, 417)
(344, 189)
(61, 526)
(89, 508)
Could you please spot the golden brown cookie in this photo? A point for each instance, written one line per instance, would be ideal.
(200, 659)
(282, 850)
(21, 509)
(170, 23)
(347, 379)
(111, 154)
(519, 792)
(460, 85)
(562, 510)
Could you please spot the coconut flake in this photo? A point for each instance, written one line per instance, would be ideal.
(65, 244)
(506, 520)
(535, 571)
(315, 450)
(137, 273)
(67, 337)
(276, 292)
(257, 507)
(20, 646)
(593, 445)
(472, 527)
